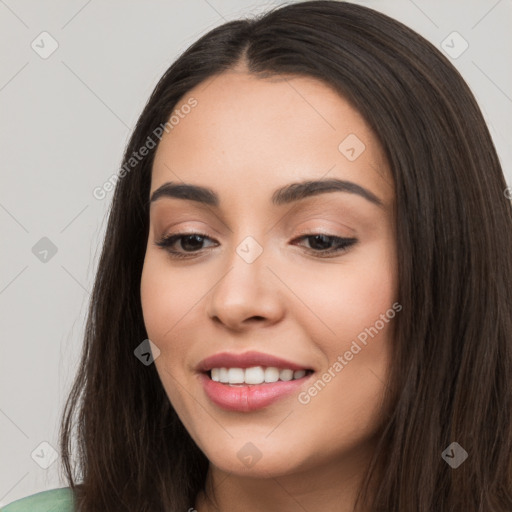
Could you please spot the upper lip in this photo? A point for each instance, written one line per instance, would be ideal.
(246, 360)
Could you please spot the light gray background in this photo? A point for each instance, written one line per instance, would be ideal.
(64, 123)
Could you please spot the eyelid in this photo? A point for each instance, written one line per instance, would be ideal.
(310, 231)
(301, 232)
(324, 231)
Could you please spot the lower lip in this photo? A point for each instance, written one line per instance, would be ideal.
(250, 397)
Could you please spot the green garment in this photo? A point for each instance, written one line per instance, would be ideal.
(54, 500)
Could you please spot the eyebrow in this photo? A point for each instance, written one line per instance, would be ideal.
(284, 195)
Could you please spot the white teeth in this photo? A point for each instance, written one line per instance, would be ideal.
(286, 374)
(236, 375)
(271, 374)
(223, 375)
(254, 375)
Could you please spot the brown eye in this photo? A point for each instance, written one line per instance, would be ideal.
(327, 244)
(190, 243)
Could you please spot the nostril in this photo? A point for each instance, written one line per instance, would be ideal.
(257, 317)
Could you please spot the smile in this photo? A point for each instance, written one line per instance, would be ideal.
(245, 397)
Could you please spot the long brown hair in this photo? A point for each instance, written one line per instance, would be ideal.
(451, 378)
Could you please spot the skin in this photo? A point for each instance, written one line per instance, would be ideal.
(246, 137)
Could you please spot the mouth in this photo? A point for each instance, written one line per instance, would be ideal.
(247, 390)
(251, 380)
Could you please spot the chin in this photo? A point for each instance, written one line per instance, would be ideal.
(258, 458)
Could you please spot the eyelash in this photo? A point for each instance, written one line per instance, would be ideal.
(167, 241)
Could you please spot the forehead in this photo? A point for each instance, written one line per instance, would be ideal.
(248, 132)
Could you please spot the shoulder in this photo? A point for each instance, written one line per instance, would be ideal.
(54, 500)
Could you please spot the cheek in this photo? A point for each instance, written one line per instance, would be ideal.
(166, 297)
(154, 295)
(347, 297)
(171, 299)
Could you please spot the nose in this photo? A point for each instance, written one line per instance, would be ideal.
(247, 295)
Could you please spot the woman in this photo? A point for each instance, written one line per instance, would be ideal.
(310, 226)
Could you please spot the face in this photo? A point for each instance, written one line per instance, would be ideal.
(303, 279)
